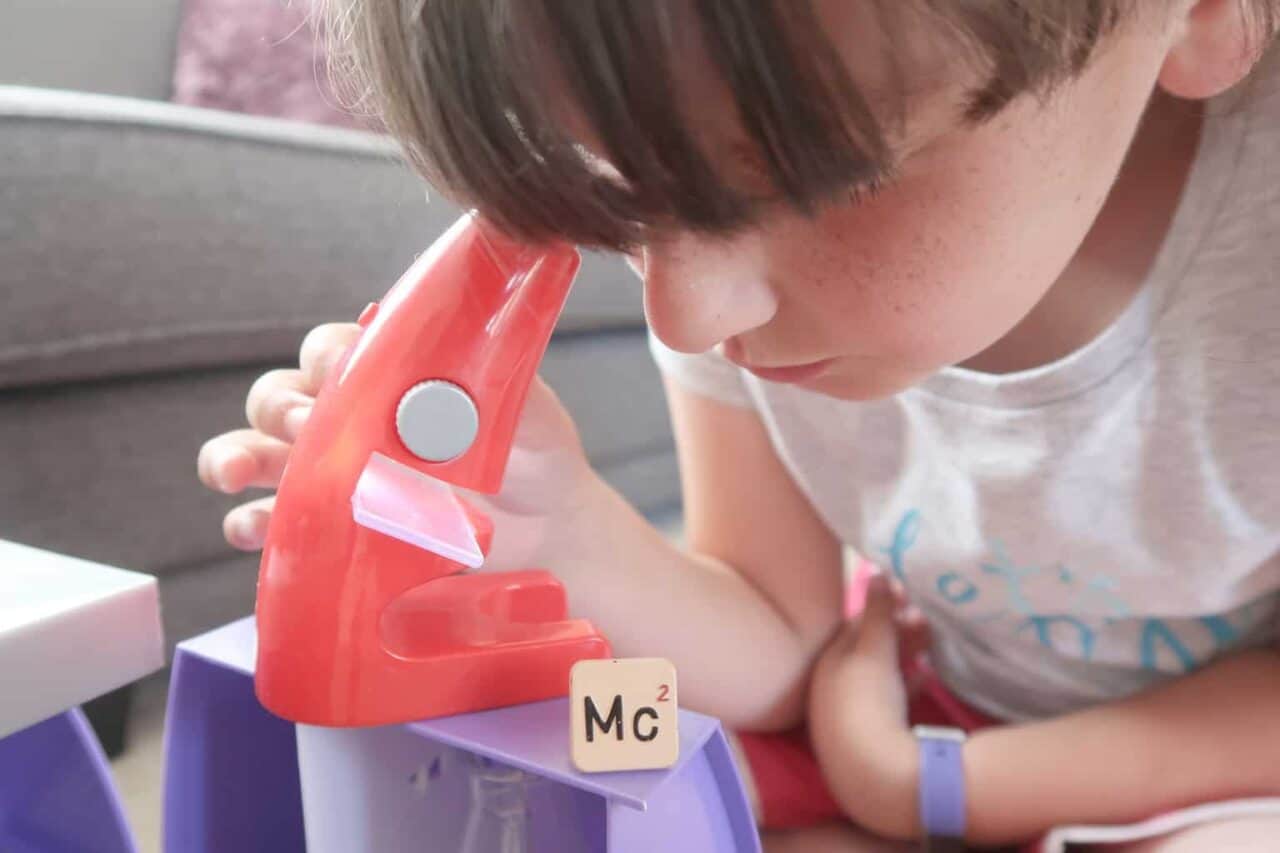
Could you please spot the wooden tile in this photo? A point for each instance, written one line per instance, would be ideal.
(623, 714)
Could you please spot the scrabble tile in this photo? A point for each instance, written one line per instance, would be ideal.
(623, 715)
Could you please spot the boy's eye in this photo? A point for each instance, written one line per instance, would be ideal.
(852, 195)
(753, 176)
(866, 191)
(761, 190)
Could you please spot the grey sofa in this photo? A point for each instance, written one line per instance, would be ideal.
(155, 259)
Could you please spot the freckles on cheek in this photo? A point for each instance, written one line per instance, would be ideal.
(903, 262)
(848, 258)
(914, 276)
(938, 299)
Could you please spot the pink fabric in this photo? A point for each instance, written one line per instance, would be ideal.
(256, 56)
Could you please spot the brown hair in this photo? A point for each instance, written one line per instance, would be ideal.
(462, 83)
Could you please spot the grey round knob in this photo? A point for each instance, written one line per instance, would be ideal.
(437, 420)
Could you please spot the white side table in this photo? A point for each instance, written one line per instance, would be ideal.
(70, 630)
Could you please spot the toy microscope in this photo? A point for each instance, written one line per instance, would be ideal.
(364, 614)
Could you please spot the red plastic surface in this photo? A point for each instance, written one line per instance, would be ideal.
(356, 627)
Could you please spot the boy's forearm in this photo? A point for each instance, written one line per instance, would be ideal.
(736, 655)
(1214, 734)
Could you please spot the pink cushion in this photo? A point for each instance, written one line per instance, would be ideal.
(255, 56)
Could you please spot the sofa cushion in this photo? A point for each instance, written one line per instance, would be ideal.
(106, 469)
(141, 237)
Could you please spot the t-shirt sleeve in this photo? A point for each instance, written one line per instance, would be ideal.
(708, 374)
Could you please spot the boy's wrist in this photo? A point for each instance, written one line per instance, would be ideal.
(875, 782)
(569, 532)
(942, 805)
(900, 774)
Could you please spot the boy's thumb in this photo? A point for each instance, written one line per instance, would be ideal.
(878, 631)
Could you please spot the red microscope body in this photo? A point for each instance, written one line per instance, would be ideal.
(364, 614)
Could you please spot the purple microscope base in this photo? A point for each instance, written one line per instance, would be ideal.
(232, 777)
(56, 792)
(230, 767)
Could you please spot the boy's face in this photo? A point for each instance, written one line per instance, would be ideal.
(871, 297)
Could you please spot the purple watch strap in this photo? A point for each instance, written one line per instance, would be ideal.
(942, 799)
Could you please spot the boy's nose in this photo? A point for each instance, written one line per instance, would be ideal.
(698, 293)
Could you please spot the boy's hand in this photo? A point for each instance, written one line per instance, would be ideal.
(858, 715)
(277, 407)
(546, 475)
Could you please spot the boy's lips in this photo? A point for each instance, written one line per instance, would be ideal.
(795, 374)
(790, 374)
(732, 350)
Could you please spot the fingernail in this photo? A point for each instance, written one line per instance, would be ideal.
(248, 529)
(295, 419)
(224, 459)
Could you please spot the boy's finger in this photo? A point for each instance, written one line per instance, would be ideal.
(278, 403)
(237, 460)
(899, 592)
(878, 630)
(321, 349)
(245, 527)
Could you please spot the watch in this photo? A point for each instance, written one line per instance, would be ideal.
(942, 794)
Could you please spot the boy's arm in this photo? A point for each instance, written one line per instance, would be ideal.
(1214, 734)
(744, 609)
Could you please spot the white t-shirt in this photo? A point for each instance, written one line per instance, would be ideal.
(1085, 529)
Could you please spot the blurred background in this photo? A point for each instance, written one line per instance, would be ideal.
(180, 201)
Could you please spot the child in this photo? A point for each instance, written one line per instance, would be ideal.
(985, 291)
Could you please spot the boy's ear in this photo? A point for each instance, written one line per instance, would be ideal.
(1214, 47)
